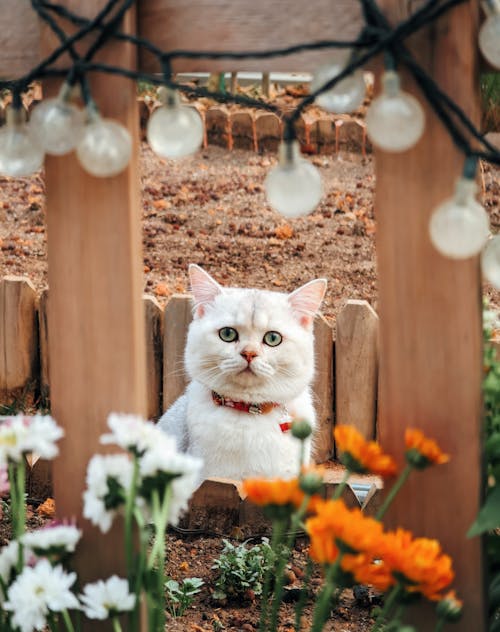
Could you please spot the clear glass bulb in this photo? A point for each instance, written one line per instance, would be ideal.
(57, 124)
(347, 95)
(489, 39)
(490, 262)
(460, 226)
(20, 153)
(293, 187)
(395, 120)
(105, 147)
(174, 130)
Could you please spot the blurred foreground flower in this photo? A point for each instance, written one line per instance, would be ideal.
(422, 451)
(21, 434)
(418, 563)
(361, 456)
(37, 592)
(104, 599)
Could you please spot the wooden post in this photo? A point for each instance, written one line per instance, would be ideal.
(95, 312)
(430, 317)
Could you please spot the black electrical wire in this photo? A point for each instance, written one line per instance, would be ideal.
(376, 37)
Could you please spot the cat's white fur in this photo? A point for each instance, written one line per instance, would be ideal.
(232, 443)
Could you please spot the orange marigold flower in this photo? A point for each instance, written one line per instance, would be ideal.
(276, 491)
(365, 570)
(336, 527)
(417, 562)
(360, 455)
(421, 451)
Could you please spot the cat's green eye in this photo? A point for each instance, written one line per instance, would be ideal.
(228, 334)
(272, 338)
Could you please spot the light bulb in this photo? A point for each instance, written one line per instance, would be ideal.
(293, 187)
(459, 227)
(105, 147)
(20, 153)
(174, 130)
(490, 261)
(489, 39)
(395, 120)
(345, 96)
(57, 124)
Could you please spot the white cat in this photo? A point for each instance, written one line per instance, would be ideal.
(250, 357)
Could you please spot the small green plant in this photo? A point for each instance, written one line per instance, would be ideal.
(242, 569)
(181, 595)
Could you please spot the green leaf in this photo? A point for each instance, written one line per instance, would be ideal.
(489, 515)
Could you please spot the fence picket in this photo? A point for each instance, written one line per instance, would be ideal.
(323, 389)
(18, 339)
(177, 317)
(153, 315)
(44, 347)
(356, 367)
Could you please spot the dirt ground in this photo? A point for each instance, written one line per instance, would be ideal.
(210, 209)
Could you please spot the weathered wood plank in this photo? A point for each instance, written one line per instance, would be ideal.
(202, 25)
(356, 367)
(95, 315)
(176, 321)
(43, 335)
(430, 317)
(18, 338)
(323, 390)
(153, 315)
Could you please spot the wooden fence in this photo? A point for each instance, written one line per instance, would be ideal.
(345, 385)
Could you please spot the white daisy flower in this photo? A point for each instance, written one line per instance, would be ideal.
(104, 599)
(131, 432)
(53, 539)
(38, 591)
(44, 432)
(14, 435)
(108, 479)
(162, 465)
(9, 556)
(22, 434)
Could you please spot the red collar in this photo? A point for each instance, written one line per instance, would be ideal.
(248, 407)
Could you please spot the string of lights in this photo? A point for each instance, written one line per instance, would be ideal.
(395, 119)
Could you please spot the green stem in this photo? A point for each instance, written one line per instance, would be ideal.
(116, 624)
(52, 623)
(341, 486)
(21, 485)
(160, 519)
(323, 604)
(11, 469)
(278, 533)
(280, 571)
(388, 605)
(440, 623)
(67, 621)
(128, 519)
(393, 492)
(299, 608)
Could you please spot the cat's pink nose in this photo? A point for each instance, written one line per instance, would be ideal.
(248, 355)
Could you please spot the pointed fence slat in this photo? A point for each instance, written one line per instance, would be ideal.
(175, 324)
(18, 339)
(356, 367)
(153, 315)
(323, 389)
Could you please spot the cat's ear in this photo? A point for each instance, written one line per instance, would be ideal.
(203, 288)
(306, 300)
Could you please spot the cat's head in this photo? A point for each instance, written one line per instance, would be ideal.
(252, 345)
